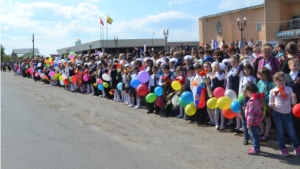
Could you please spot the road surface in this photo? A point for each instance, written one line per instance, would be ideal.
(47, 127)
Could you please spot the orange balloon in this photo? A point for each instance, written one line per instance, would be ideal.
(228, 114)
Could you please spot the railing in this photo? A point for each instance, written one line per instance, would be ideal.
(294, 24)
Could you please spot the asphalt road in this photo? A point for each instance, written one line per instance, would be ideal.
(47, 127)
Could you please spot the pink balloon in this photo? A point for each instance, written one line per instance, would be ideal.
(52, 73)
(71, 56)
(219, 92)
(85, 78)
(159, 101)
(99, 81)
(36, 74)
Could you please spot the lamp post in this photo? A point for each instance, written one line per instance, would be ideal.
(166, 33)
(116, 42)
(68, 50)
(241, 26)
(33, 45)
(90, 48)
(152, 40)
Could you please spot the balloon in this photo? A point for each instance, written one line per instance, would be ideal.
(190, 109)
(176, 85)
(181, 103)
(55, 64)
(158, 91)
(100, 86)
(175, 100)
(73, 79)
(71, 56)
(198, 80)
(194, 83)
(85, 78)
(241, 97)
(61, 78)
(73, 53)
(143, 76)
(212, 103)
(61, 83)
(231, 94)
(235, 106)
(228, 114)
(50, 60)
(106, 77)
(95, 84)
(105, 85)
(42, 74)
(159, 101)
(120, 86)
(187, 97)
(142, 90)
(99, 81)
(224, 103)
(66, 81)
(118, 65)
(36, 74)
(296, 110)
(70, 79)
(39, 70)
(219, 92)
(135, 82)
(52, 73)
(151, 97)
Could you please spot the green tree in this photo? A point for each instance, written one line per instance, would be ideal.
(2, 51)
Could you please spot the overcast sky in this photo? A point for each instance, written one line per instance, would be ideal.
(58, 24)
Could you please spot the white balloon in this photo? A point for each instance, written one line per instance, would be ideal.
(64, 76)
(231, 94)
(198, 79)
(106, 77)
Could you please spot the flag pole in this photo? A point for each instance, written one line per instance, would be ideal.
(106, 33)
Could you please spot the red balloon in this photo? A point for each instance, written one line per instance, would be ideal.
(66, 81)
(159, 101)
(296, 110)
(142, 90)
(228, 114)
(99, 81)
(36, 74)
(219, 92)
(74, 78)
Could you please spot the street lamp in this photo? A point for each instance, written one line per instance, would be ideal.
(116, 42)
(241, 26)
(90, 47)
(166, 33)
(152, 40)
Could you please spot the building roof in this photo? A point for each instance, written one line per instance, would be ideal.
(236, 10)
(29, 54)
(24, 51)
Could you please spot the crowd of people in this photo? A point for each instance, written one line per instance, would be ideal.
(268, 79)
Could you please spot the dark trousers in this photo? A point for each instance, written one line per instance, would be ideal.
(151, 105)
(200, 115)
(297, 126)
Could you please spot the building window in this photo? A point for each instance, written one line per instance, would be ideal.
(259, 43)
(258, 27)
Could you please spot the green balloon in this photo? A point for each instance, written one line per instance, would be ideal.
(241, 97)
(70, 79)
(181, 103)
(151, 97)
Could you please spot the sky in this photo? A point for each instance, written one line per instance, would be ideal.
(58, 24)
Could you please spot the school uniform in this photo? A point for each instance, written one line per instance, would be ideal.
(293, 80)
(233, 79)
(167, 90)
(153, 83)
(244, 81)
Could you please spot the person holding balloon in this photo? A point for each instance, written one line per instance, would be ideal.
(181, 78)
(293, 80)
(79, 76)
(218, 81)
(115, 79)
(70, 74)
(132, 91)
(265, 84)
(281, 99)
(165, 81)
(244, 102)
(154, 88)
(254, 116)
(233, 81)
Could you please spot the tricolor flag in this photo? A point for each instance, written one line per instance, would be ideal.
(109, 20)
(101, 21)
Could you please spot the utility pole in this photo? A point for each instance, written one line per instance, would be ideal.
(33, 45)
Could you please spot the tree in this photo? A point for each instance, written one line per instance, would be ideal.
(2, 51)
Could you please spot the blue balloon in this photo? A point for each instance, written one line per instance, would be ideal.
(120, 86)
(135, 82)
(235, 106)
(100, 87)
(158, 91)
(187, 97)
(40, 71)
(55, 64)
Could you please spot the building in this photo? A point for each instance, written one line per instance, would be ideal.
(275, 21)
(25, 52)
(124, 46)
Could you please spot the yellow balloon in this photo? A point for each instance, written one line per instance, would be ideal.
(190, 109)
(105, 85)
(61, 78)
(95, 84)
(176, 85)
(224, 103)
(50, 60)
(212, 103)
